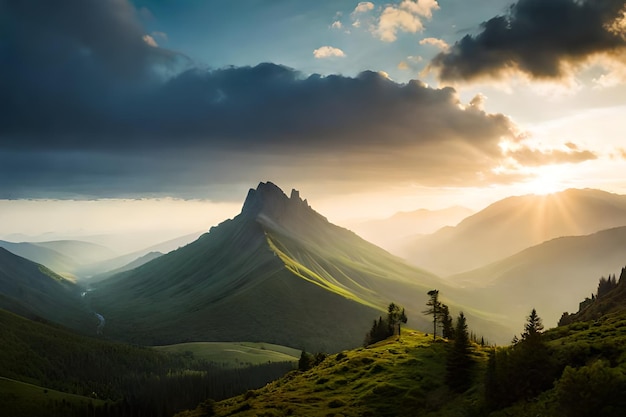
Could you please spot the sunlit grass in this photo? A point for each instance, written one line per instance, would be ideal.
(235, 354)
(393, 377)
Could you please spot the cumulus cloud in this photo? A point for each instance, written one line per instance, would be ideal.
(437, 43)
(97, 118)
(336, 25)
(544, 40)
(328, 52)
(404, 17)
(363, 7)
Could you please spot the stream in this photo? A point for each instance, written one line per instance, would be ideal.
(100, 317)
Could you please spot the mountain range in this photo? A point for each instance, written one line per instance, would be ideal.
(512, 225)
(552, 276)
(392, 232)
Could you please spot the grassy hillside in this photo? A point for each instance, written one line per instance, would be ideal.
(390, 378)
(587, 362)
(235, 354)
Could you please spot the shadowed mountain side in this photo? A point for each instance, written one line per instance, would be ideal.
(32, 290)
(513, 224)
(392, 233)
(279, 272)
(552, 277)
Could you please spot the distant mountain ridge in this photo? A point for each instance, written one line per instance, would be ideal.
(514, 224)
(278, 272)
(34, 291)
(391, 233)
(42, 255)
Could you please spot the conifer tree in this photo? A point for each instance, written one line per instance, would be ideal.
(533, 327)
(304, 364)
(384, 328)
(447, 327)
(459, 361)
(434, 307)
(395, 317)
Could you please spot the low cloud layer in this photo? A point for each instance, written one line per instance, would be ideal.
(539, 38)
(92, 109)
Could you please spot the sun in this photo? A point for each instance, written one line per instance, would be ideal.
(547, 179)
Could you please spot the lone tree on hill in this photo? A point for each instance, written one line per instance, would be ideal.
(434, 308)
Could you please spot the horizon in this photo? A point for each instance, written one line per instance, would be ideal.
(135, 229)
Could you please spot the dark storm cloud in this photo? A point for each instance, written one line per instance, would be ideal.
(537, 37)
(90, 109)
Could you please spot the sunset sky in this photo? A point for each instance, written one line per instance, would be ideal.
(166, 112)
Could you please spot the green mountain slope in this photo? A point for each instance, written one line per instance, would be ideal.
(279, 272)
(32, 290)
(514, 224)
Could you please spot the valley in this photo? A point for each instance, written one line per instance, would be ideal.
(234, 309)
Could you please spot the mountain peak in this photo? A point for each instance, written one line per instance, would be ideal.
(270, 200)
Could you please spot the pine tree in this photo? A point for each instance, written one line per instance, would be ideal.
(434, 307)
(447, 327)
(384, 328)
(459, 361)
(395, 317)
(533, 327)
(304, 364)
